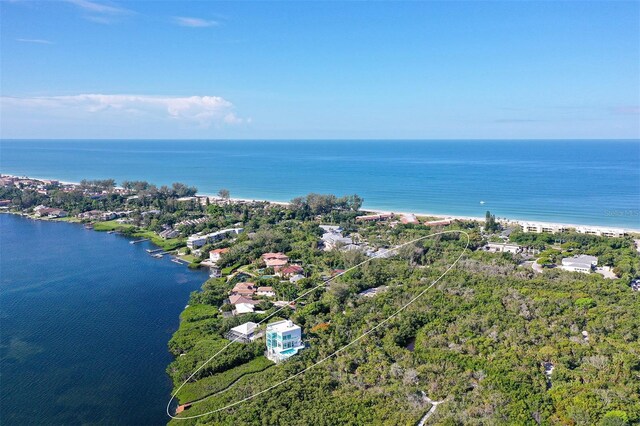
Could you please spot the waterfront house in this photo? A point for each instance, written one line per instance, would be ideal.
(284, 339)
(266, 292)
(236, 299)
(168, 233)
(49, 212)
(581, 263)
(244, 289)
(215, 255)
(244, 333)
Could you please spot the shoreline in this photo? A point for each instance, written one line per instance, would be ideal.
(418, 214)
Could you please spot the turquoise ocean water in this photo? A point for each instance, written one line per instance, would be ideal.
(585, 182)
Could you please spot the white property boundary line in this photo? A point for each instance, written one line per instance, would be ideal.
(366, 333)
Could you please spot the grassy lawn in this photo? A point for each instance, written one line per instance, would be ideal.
(217, 382)
(229, 269)
(69, 219)
(188, 257)
(111, 225)
(169, 244)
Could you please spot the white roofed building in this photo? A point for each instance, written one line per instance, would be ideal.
(284, 339)
(581, 263)
(244, 333)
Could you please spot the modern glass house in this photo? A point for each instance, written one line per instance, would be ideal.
(284, 339)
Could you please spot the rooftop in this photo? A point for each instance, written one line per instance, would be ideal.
(246, 328)
(282, 326)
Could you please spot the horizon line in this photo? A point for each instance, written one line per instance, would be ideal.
(326, 139)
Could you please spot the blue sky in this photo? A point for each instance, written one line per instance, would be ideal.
(426, 70)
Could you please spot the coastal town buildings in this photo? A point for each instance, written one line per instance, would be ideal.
(284, 339)
(552, 228)
(197, 241)
(581, 263)
(169, 233)
(375, 217)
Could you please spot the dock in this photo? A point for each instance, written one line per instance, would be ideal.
(139, 241)
(152, 251)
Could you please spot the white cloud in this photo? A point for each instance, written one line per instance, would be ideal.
(94, 7)
(101, 13)
(197, 110)
(34, 40)
(194, 22)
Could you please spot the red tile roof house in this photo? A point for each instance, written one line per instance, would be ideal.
(275, 259)
(236, 299)
(244, 289)
(214, 255)
(288, 271)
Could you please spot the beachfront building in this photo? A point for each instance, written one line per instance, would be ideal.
(539, 228)
(409, 218)
(581, 263)
(196, 241)
(375, 217)
(601, 232)
(244, 333)
(284, 339)
(552, 228)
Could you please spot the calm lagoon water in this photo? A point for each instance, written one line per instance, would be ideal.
(588, 182)
(85, 320)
